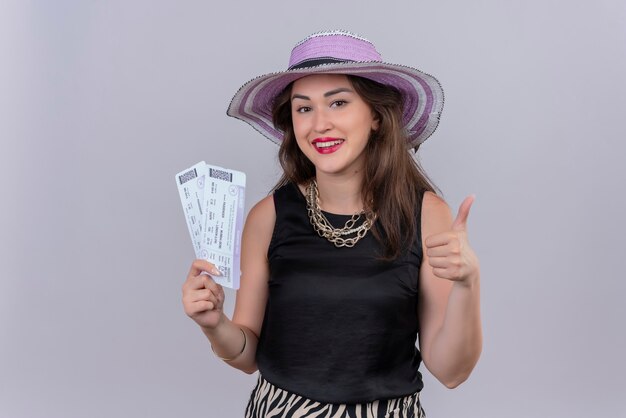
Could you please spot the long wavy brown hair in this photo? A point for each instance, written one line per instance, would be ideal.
(393, 181)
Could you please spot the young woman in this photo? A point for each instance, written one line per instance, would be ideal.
(353, 256)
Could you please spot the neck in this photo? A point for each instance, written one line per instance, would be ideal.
(340, 195)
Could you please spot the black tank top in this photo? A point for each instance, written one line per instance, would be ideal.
(340, 325)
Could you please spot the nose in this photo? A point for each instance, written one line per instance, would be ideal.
(322, 122)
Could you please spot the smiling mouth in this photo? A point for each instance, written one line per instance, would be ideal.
(326, 143)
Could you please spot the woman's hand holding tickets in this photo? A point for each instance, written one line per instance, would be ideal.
(203, 299)
(449, 252)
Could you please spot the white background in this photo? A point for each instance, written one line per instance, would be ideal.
(101, 103)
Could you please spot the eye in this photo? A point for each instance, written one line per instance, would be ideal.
(303, 109)
(338, 103)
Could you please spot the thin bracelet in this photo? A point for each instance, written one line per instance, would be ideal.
(245, 340)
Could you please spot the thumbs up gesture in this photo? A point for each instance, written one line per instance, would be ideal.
(449, 252)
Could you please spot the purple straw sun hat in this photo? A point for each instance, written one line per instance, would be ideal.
(339, 52)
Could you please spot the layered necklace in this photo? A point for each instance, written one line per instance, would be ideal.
(341, 237)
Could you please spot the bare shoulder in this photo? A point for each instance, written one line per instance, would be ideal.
(436, 214)
(432, 199)
(262, 216)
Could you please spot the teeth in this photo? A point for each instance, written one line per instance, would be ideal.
(328, 144)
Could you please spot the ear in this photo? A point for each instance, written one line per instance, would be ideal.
(375, 123)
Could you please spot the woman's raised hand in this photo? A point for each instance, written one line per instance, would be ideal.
(203, 299)
(449, 252)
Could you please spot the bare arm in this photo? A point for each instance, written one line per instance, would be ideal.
(449, 308)
(224, 334)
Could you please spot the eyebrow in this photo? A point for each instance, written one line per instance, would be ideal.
(327, 94)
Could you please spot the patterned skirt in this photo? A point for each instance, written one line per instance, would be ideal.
(267, 400)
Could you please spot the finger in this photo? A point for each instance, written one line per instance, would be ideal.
(199, 265)
(460, 223)
(201, 306)
(439, 262)
(195, 303)
(213, 301)
(442, 273)
(437, 240)
(210, 284)
(196, 282)
(202, 294)
(216, 290)
(440, 251)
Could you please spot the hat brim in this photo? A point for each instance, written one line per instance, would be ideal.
(422, 95)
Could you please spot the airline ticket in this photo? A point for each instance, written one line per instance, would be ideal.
(213, 204)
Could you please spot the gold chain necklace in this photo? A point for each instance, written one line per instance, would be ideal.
(324, 227)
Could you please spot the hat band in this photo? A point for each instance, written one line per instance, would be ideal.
(317, 61)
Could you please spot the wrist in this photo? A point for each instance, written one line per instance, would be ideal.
(217, 329)
(471, 281)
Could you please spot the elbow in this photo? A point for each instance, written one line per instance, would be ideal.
(452, 383)
(454, 378)
(250, 370)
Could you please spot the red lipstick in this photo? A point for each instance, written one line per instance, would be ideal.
(327, 145)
